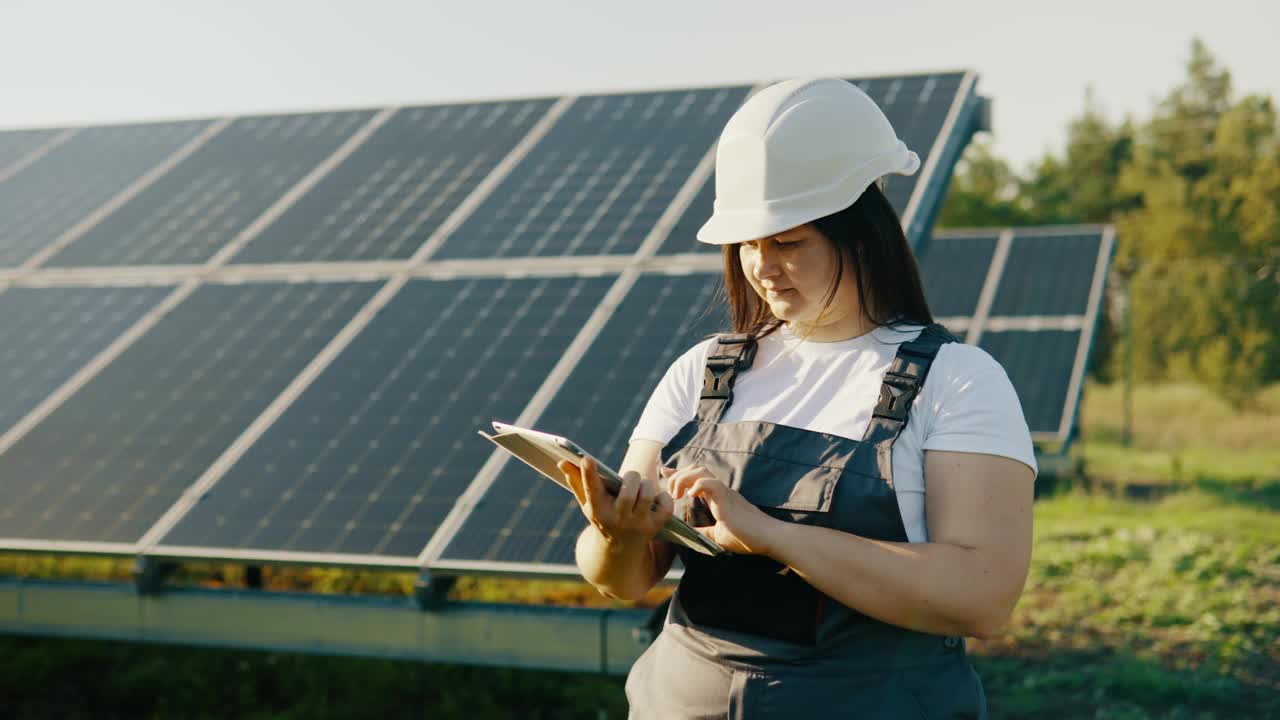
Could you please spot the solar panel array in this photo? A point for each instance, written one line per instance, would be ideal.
(272, 338)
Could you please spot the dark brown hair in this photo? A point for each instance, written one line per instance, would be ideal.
(868, 236)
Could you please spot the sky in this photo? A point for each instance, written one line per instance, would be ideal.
(65, 62)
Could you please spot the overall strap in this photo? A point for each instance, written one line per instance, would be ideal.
(733, 353)
(902, 382)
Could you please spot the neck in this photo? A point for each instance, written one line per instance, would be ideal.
(848, 327)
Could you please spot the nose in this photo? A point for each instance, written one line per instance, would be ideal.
(767, 264)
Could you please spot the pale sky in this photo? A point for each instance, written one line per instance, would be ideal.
(72, 62)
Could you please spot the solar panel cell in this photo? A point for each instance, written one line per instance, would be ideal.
(48, 198)
(18, 144)
(189, 214)
(385, 200)
(522, 517)
(105, 465)
(1039, 364)
(599, 180)
(1048, 274)
(374, 454)
(50, 333)
(953, 271)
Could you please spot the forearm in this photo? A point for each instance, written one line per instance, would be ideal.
(616, 568)
(930, 587)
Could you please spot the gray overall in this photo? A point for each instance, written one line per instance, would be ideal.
(745, 637)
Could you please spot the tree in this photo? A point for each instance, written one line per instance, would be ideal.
(983, 192)
(1201, 247)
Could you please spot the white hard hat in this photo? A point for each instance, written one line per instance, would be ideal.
(797, 151)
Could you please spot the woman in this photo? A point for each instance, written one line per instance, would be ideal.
(808, 434)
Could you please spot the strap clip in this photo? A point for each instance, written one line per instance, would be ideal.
(721, 368)
(897, 392)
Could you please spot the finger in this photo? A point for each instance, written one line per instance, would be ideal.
(573, 477)
(709, 489)
(599, 503)
(665, 503)
(644, 498)
(624, 504)
(663, 509)
(685, 478)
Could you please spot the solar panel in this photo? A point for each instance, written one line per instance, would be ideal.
(953, 270)
(599, 180)
(17, 144)
(370, 459)
(1038, 304)
(374, 454)
(1048, 273)
(45, 200)
(103, 466)
(1040, 365)
(918, 107)
(522, 518)
(50, 333)
(189, 214)
(386, 199)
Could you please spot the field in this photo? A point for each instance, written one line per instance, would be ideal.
(1158, 603)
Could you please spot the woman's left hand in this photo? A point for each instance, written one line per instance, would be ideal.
(740, 527)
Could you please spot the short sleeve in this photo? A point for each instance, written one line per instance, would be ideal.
(675, 401)
(975, 407)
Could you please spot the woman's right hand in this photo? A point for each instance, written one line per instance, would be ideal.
(639, 511)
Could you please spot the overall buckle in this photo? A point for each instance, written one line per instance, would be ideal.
(897, 392)
(717, 378)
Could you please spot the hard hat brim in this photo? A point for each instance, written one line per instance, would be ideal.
(727, 226)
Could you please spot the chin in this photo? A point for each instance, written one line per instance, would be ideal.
(787, 313)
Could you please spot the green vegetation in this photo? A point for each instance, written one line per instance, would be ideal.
(1145, 607)
(1132, 610)
(1194, 192)
(1184, 436)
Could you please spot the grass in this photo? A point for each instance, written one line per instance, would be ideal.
(1164, 609)
(1181, 434)
(1167, 608)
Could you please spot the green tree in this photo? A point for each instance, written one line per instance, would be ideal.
(1081, 187)
(1202, 245)
(983, 192)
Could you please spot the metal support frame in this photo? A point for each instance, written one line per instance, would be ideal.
(150, 575)
(535, 637)
(431, 590)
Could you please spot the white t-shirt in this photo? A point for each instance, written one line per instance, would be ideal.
(967, 403)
